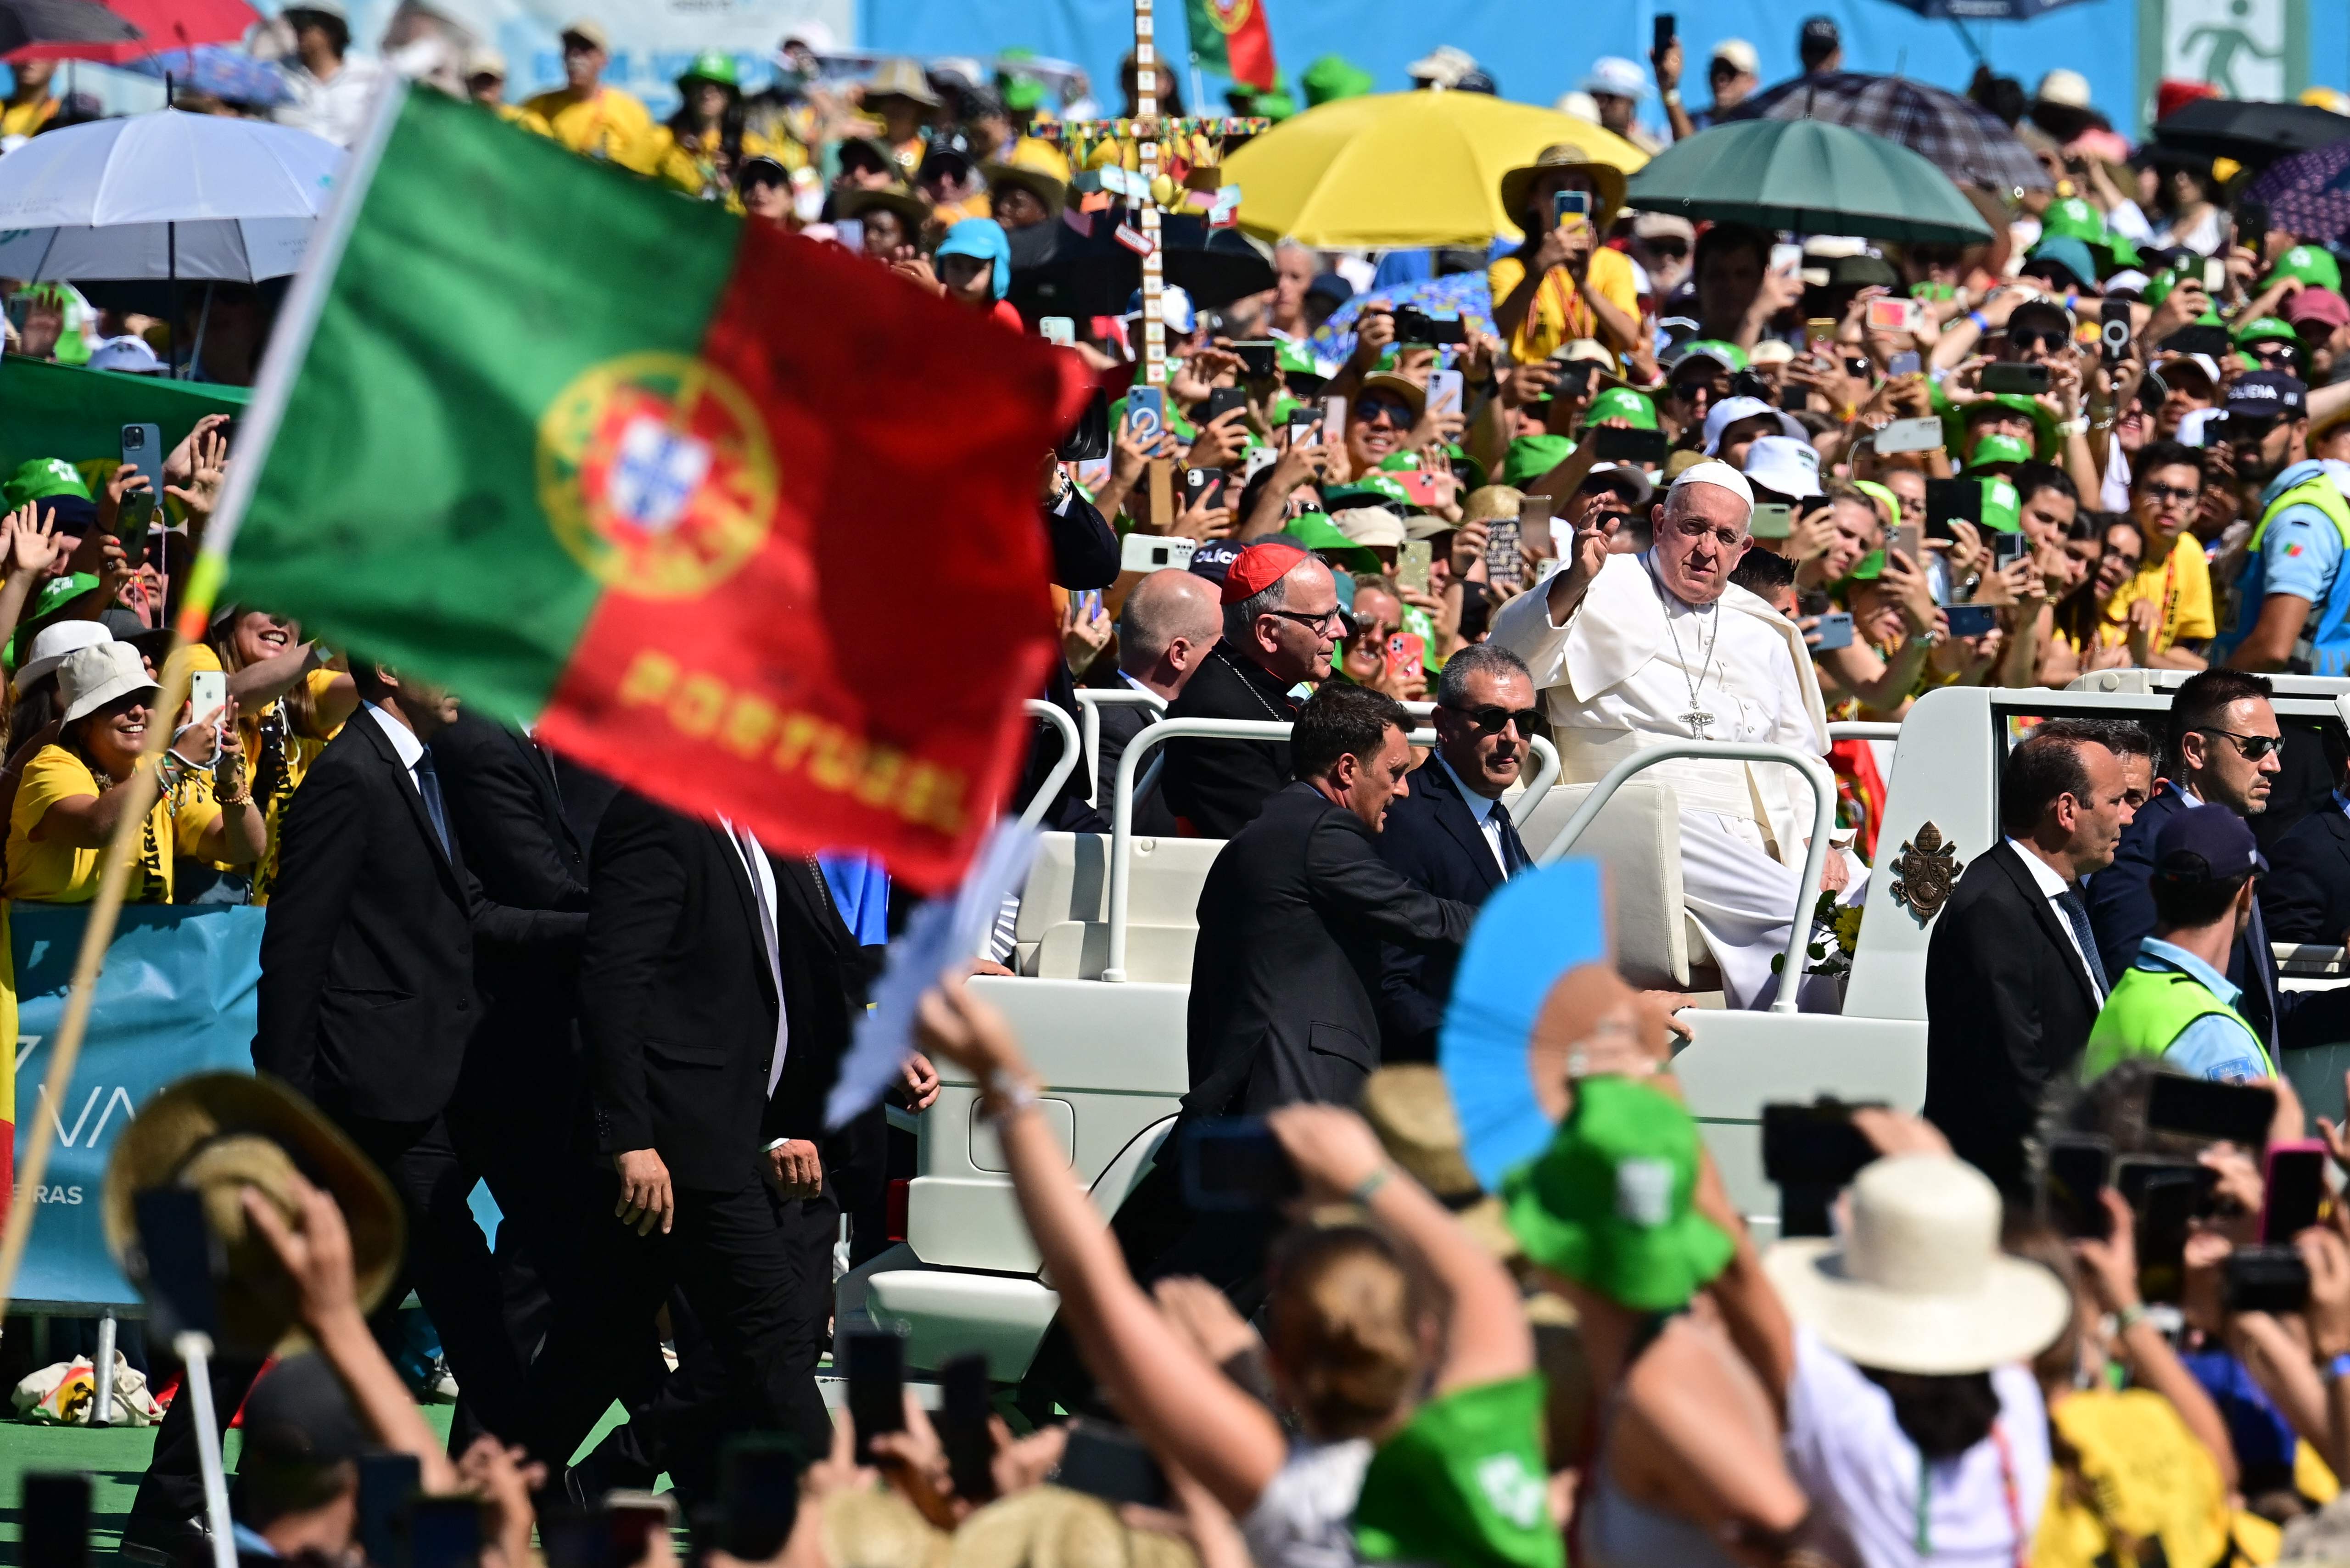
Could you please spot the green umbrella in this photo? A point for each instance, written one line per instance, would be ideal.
(1809, 176)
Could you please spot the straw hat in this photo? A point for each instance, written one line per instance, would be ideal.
(1606, 180)
(900, 78)
(221, 1133)
(1025, 170)
(1920, 1285)
(898, 199)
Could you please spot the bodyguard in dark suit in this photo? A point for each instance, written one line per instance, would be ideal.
(1452, 836)
(1281, 622)
(707, 1145)
(2012, 982)
(2306, 899)
(1169, 622)
(1284, 980)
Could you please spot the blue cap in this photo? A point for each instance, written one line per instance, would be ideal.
(981, 238)
(2069, 253)
(1214, 558)
(2267, 395)
(1330, 285)
(2207, 844)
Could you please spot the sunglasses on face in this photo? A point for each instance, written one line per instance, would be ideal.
(1492, 720)
(2159, 494)
(1371, 409)
(2254, 747)
(1673, 248)
(2051, 340)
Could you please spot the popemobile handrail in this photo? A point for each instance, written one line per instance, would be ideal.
(1863, 730)
(1816, 773)
(1092, 698)
(1121, 843)
(1071, 750)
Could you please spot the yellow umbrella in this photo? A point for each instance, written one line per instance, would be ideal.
(1401, 169)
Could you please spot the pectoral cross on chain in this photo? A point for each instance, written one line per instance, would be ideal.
(1699, 722)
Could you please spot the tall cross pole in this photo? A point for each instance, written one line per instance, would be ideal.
(1154, 326)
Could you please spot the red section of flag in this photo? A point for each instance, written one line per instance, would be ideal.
(857, 682)
(163, 24)
(1249, 45)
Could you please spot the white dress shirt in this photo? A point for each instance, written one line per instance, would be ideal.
(1489, 823)
(2052, 888)
(762, 882)
(404, 743)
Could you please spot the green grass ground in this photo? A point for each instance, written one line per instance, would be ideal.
(115, 1458)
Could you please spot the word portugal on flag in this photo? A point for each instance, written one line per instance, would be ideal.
(746, 522)
(1232, 36)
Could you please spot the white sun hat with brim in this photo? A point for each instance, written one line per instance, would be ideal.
(1730, 410)
(1918, 1284)
(55, 640)
(1784, 465)
(90, 678)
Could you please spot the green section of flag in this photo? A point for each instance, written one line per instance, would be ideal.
(64, 411)
(399, 512)
(1208, 49)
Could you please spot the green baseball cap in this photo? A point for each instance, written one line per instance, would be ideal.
(1998, 449)
(1956, 415)
(710, 66)
(58, 593)
(1292, 359)
(38, 478)
(1531, 457)
(1466, 468)
(1881, 495)
(1608, 1204)
(1332, 78)
(1867, 569)
(1314, 531)
(1400, 462)
(2310, 264)
(1728, 355)
(1023, 92)
(2266, 329)
(1374, 489)
(2072, 218)
(1622, 403)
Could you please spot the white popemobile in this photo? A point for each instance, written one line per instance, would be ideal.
(1106, 928)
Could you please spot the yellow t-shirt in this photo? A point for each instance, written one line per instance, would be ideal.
(607, 123)
(516, 114)
(2181, 585)
(663, 157)
(2140, 1473)
(302, 748)
(50, 871)
(1559, 314)
(25, 119)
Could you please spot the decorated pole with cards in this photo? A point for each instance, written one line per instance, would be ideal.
(1154, 259)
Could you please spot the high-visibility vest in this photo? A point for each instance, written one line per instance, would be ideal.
(2149, 1009)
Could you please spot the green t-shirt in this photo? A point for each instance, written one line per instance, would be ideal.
(1464, 1484)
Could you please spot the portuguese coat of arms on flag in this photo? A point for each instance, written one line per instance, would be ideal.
(740, 519)
(1232, 36)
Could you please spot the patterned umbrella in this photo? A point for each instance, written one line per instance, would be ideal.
(1966, 141)
(229, 74)
(1464, 294)
(1981, 10)
(2308, 193)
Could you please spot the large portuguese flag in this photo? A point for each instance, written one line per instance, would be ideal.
(746, 522)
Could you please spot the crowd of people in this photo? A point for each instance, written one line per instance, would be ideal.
(1700, 483)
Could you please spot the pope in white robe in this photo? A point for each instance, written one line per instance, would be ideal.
(1634, 651)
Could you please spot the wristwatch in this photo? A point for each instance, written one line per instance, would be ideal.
(2077, 425)
(1673, 97)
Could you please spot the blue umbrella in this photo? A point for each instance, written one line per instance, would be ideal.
(1464, 294)
(223, 72)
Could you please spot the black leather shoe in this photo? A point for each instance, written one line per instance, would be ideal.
(166, 1543)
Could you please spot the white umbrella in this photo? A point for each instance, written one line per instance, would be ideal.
(163, 195)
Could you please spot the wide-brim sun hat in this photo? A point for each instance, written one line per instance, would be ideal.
(1038, 182)
(55, 640)
(900, 78)
(1607, 181)
(912, 210)
(90, 677)
(1918, 1284)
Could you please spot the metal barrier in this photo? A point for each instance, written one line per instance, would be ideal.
(1815, 772)
(1122, 850)
(1071, 750)
(1093, 701)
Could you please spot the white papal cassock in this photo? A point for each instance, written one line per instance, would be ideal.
(1626, 672)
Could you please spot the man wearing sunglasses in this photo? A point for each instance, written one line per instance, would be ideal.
(1453, 836)
(2225, 747)
(2292, 608)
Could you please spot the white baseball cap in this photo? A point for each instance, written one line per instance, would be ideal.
(1783, 464)
(1616, 76)
(129, 354)
(55, 640)
(1739, 52)
(1730, 410)
(1720, 474)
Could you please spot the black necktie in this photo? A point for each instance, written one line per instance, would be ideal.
(1515, 858)
(427, 784)
(2078, 912)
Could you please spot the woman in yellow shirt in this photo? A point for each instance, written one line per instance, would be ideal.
(698, 149)
(1562, 284)
(74, 789)
(290, 704)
